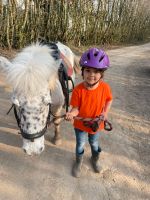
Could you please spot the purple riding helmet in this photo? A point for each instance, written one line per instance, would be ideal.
(95, 58)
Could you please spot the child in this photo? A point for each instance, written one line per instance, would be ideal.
(90, 99)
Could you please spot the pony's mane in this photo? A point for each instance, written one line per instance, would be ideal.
(33, 69)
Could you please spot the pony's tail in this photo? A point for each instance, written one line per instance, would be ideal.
(76, 65)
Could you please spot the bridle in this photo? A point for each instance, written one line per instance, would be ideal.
(36, 135)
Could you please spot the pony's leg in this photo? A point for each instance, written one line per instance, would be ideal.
(57, 112)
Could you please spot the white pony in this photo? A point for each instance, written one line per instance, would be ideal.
(37, 92)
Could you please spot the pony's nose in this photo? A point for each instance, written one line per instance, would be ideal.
(41, 149)
(27, 152)
(24, 150)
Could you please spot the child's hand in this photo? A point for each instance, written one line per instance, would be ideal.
(69, 116)
(104, 114)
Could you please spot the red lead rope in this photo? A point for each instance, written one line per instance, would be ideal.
(94, 123)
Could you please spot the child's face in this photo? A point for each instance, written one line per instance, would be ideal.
(91, 75)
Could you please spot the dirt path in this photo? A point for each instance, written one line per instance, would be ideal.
(125, 158)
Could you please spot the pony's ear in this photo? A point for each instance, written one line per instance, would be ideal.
(5, 64)
(15, 100)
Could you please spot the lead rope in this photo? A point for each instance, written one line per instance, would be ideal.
(49, 120)
(94, 123)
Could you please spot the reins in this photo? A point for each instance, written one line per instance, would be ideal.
(15, 113)
(64, 78)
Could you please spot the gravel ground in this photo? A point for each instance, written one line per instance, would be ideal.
(125, 157)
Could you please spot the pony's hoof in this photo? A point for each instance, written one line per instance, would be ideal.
(57, 142)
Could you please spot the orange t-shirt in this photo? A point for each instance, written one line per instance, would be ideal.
(90, 103)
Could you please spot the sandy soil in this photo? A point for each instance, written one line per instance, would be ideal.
(125, 159)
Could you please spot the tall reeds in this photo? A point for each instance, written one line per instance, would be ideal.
(80, 22)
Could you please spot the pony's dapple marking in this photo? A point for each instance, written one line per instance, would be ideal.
(33, 73)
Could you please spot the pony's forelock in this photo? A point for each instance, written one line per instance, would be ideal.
(33, 69)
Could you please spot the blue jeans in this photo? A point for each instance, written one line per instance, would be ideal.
(81, 138)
